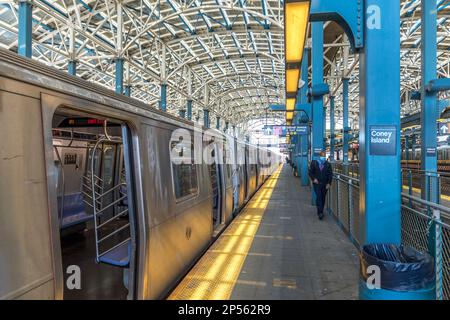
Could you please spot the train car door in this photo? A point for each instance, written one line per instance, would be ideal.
(246, 171)
(216, 185)
(96, 209)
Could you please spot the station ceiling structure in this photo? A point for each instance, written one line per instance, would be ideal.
(225, 55)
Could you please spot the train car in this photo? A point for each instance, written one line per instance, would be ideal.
(90, 188)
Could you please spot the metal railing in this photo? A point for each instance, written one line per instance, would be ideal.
(425, 225)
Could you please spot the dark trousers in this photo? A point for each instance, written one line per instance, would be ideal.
(321, 194)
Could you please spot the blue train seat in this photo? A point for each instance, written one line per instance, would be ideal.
(74, 211)
(119, 257)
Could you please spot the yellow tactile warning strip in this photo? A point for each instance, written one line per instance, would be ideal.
(216, 273)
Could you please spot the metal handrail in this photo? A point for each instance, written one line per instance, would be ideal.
(339, 175)
(61, 213)
(436, 206)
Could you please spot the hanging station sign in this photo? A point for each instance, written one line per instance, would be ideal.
(383, 140)
(300, 130)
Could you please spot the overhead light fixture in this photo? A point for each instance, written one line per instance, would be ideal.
(296, 18)
(292, 79)
(290, 105)
(289, 115)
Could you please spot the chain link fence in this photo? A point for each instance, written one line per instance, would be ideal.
(425, 225)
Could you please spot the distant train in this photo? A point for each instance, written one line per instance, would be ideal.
(443, 153)
(414, 159)
(89, 188)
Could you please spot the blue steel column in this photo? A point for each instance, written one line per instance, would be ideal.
(380, 179)
(189, 110)
(119, 75)
(218, 123)
(163, 102)
(406, 147)
(317, 101)
(182, 113)
(304, 148)
(127, 91)
(332, 127)
(429, 110)
(345, 82)
(25, 42)
(72, 67)
(317, 79)
(226, 126)
(429, 100)
(206, 118)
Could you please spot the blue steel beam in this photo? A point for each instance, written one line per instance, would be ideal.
(303, 100)
(429, 100)
(25, 39)
(380, 177)
(127, 91)
(298, 107)
(438, 85)
(189, 109)
(318, 128)
(320, 89)
(317, 79)
(163, 102)
(346, 128)
(429, 108)
(332, 127)
(72, 67)
(119, 75)
(206, 118)
(348, 13)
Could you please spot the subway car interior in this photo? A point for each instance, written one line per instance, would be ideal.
(96, 225)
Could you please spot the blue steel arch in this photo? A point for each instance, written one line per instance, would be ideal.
(349, 14)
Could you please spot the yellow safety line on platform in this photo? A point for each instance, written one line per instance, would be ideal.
(417, 190)
(216, 273)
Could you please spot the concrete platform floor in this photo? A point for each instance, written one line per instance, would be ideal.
(275, 249)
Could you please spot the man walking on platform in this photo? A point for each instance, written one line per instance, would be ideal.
(321, 175)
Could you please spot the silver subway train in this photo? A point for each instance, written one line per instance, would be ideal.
(91, 204)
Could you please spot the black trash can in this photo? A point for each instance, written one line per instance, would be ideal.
(405, 273)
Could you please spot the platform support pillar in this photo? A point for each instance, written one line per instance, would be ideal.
(380, 177)
(25, 39)
(206, 118)
(332, 128)
(119, 75)
(317, 79)
(127, 91)
(189, 109)
(317, 100)
(218, 123)
(72, 67)
(346, 128)
(163, 102)
(406, 147)
(429, 111)
(304, 143)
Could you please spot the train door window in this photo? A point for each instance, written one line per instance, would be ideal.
(184, 171)
(95, 208)
(215, 183)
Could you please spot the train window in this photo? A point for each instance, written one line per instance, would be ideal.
(184, 175)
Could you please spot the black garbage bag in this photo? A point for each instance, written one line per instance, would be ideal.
(402, 268)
